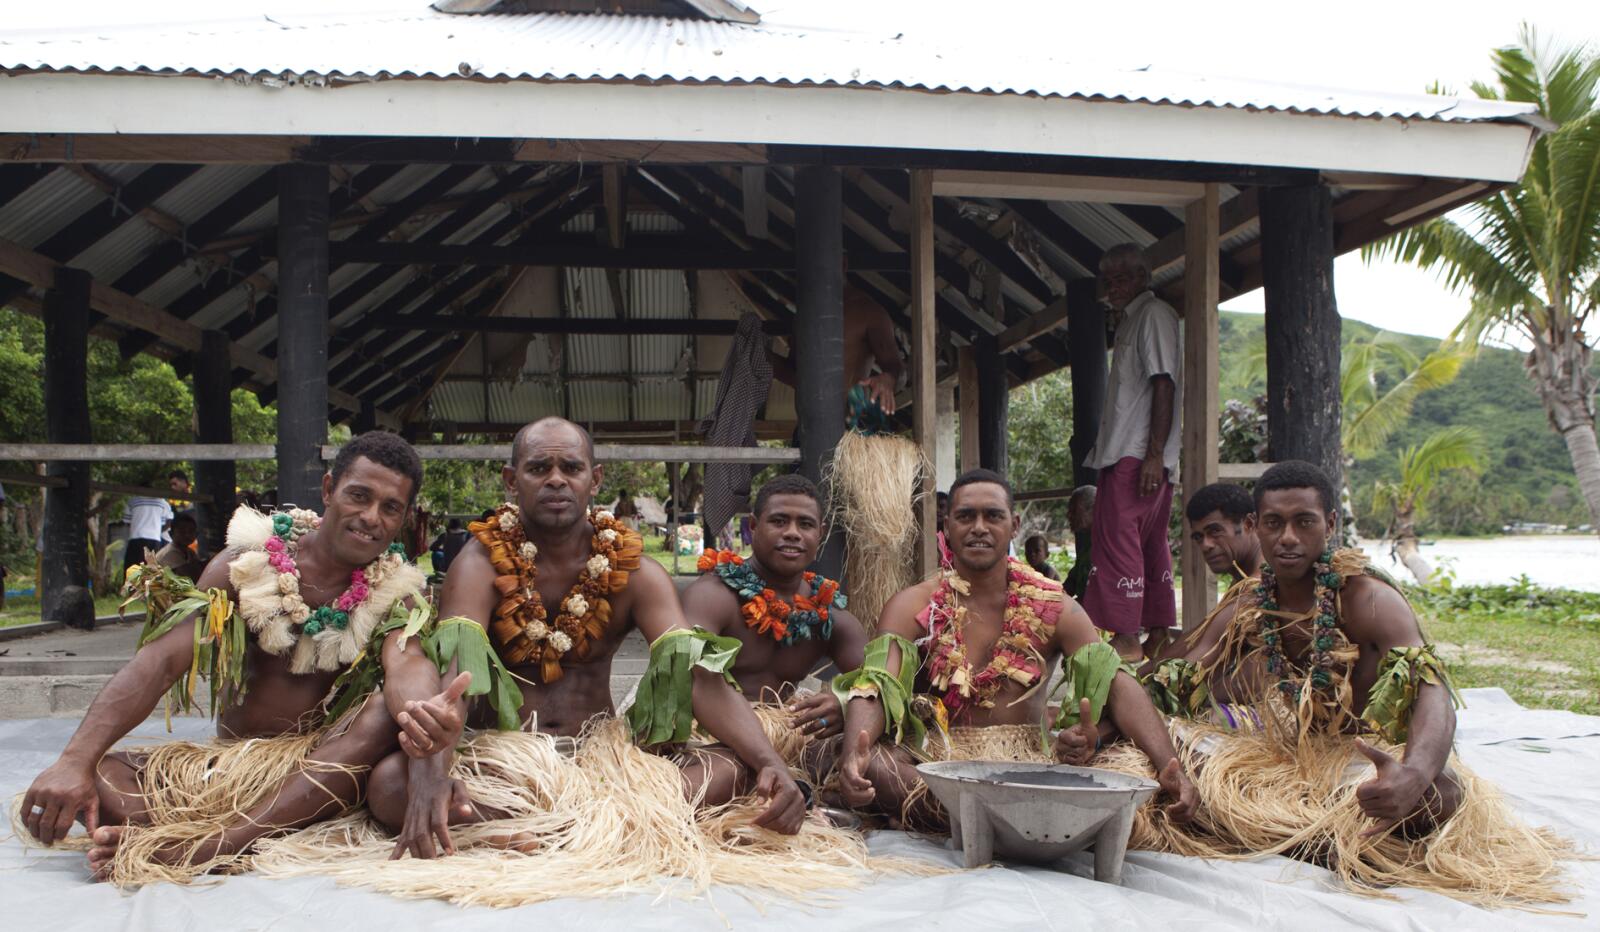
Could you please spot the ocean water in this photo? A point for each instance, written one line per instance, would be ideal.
(1552, 560)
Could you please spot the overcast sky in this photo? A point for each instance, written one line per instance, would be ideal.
(1391, 45)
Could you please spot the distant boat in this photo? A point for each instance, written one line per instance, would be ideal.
(1425, 542)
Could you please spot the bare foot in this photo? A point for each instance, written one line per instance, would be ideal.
(1128, 646)
(106, 838)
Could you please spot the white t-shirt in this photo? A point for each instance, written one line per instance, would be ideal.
(1147, 346)
(146, 517)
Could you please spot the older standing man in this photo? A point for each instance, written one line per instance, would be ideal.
(1129, 589)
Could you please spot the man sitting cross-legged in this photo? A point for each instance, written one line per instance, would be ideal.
(788, 621)
(559, 586)
(993, 628)
(309, 592)
(1345, 758)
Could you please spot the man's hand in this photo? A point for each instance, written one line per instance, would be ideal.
(880, 388)
(786, 805)
(431, 795)
(435, 724)
(55, 799)
(857, 790)
(1176, 786)
(1076, 745)
(1393, 795)
(818, 715)
(1151, 472)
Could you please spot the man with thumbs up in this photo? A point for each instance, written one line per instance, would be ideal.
(978, 642)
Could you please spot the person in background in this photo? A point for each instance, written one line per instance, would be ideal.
(1080, 518)
(627, 511)
(3, 572)
(941, 510)
(449, 543)
(180, 554)
(1130, 590)
(146, 516)
(1037, 552)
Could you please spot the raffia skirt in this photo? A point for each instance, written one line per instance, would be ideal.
(1260, 796)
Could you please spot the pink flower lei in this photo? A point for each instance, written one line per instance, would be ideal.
(280, 547)
(1018, 652)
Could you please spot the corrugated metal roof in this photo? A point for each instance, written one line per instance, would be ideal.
(599, 47)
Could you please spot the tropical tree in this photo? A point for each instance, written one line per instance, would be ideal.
(1453, 449)
(1529, 255)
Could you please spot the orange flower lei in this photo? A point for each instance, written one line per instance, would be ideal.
(520, 627)
(767, 614)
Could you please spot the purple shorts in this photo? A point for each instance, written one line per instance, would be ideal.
(1130, 581)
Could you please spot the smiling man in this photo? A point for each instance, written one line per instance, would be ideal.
(310, 592)
(979, 640)
(788, 620)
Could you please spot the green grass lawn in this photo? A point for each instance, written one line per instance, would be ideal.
(1540, 645)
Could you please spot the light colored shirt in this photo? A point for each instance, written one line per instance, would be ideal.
(1147, 346)
(146, 518)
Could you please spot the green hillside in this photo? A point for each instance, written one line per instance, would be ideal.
(1529, 475)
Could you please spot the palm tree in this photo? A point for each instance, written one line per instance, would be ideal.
(1421, 467)
(1530, 255)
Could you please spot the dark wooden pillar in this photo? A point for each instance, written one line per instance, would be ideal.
(1086, 350)
(213, 423)
(367, 417)
(819, 332)
(64, 572)
(993, 404)
(1302, 327)
(302, 331)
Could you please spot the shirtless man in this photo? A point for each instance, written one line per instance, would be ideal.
(868, 339)
(552, 478)
(786, 536)
(1297, 517)
(980, 527)
(365, 495)
(1222, 523)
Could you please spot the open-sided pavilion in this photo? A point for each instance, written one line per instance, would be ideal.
(454, 219)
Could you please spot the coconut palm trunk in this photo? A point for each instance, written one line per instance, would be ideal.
(1560, 367)
(1406, 548)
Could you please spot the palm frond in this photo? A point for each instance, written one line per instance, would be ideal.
(1575, 168)
(1452, 448)
(1368, 429)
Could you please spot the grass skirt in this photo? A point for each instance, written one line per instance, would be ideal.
(192, 792)
(610, 819)
(1259, 798)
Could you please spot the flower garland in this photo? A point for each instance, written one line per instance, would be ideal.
(807, 619)
(266, 576)
(1032, 605)
(521, 626)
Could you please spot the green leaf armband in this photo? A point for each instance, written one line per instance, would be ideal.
(663, 708)
(1178, 687)
(464, 642)
(221, 637)
(1089, 673)
(891, 689)
(1401, 675)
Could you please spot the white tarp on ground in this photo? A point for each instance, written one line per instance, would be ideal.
(1548, 763)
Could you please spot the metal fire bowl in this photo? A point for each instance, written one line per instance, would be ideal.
(1038, 812)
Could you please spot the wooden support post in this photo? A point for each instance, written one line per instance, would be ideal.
(1302, 327)
(993, 404)
(1086, 347)
(944, 465)
(64, 563)
(302, 331)
(924, 365)
(1200, 376)
(366, 418)
(753, 191)
(213, 418)
(967, 389)
(819, 332)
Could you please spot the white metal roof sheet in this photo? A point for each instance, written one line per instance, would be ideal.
(413, 43)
